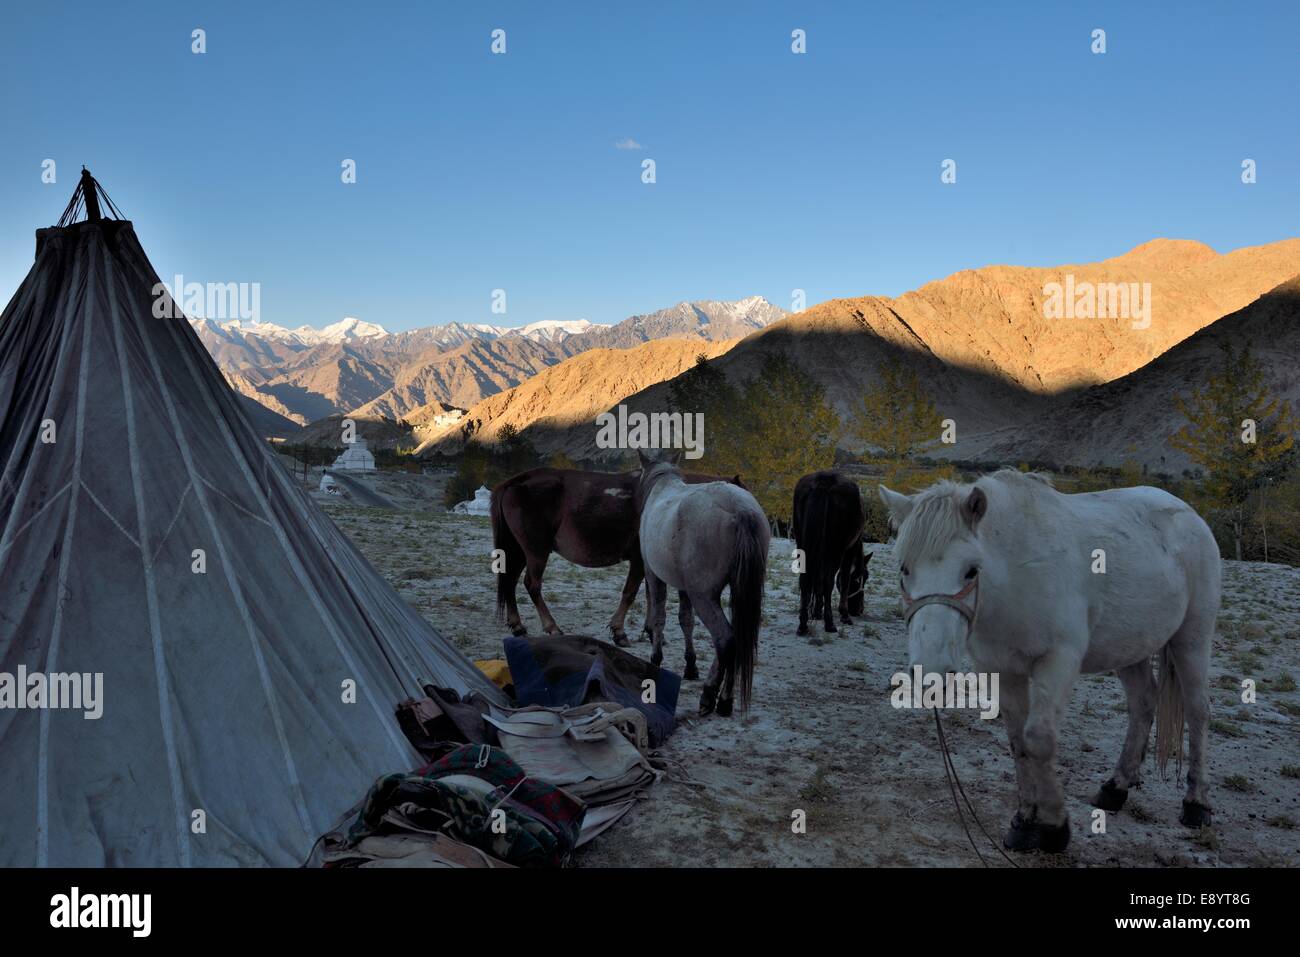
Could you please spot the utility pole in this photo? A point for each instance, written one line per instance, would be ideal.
(1263, 514)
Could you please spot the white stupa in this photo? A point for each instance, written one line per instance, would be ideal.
(356, 457)
(480, 504)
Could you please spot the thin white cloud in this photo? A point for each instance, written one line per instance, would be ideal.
(627, 143)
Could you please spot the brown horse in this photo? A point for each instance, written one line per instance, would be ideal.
(588, 517)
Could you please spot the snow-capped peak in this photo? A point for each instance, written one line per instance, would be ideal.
(752, 311)
(549, 330)
(351, 328)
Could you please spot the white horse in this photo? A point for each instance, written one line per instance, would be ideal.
(701, 539)
(1041, 586)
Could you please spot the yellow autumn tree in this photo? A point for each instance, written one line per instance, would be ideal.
(704, 389)
(897, 414)
(791, 431)
(1238, 433)
(771, 430)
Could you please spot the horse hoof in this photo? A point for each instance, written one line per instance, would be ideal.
(1110, 797)
(831, 629)
(1025, 835)
(707, 701)
(519, 631)
(1021, 835)
(621, 640)
(724, 707)
(691, 673)
(802, 629)
(656, 660)
(1195, 815)
(1054, 839)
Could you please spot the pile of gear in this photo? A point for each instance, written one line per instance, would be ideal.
(519, 786)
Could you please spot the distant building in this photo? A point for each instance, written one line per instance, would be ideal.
(480, 504)
(443, 419)
(356, 457)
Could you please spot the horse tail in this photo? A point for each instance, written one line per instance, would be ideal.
(816, 546)
(1169, 713)
(823, 547)
(504, 539)
(748, 575)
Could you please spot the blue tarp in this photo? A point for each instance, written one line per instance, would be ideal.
(573, 670)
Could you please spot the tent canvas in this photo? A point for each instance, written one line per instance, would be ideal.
(148, 535)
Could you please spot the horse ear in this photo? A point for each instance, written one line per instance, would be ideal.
(975, 507)
(867, 557)
(644, 459)
(675, 457)
(899, 505)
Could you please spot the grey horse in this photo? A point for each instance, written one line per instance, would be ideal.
(701, 539)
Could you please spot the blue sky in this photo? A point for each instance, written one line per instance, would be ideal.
(775, 171)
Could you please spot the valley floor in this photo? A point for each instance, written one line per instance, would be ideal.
(822, 736)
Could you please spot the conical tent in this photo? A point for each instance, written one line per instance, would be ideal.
(148, 535)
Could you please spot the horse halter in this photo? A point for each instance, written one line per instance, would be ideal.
(913, 605)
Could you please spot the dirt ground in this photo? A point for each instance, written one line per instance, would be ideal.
(822, 737)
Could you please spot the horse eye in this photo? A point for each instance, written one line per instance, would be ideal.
(905, 571)
(974, 570)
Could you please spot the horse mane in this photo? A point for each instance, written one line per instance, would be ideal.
(651, 474)
(936, 519)
(1017, 474)
(934, 522)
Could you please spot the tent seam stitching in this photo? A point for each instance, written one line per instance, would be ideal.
(151, 588)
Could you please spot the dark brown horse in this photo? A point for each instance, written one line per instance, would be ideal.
(828, 527)
(588, 517)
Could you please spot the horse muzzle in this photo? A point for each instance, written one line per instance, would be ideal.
(937, 642)
(956, 601)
